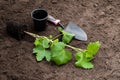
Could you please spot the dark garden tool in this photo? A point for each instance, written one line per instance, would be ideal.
(71, 28)
(17, 30)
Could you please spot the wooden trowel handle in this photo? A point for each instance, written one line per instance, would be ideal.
(55, 21)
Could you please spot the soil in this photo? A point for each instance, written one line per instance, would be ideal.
(99, 18)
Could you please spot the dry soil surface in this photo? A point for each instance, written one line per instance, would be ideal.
(99, 18)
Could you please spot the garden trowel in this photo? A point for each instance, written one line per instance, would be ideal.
(71, 28)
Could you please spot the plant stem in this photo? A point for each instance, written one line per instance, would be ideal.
(37, 36)
(56, 36)
(74, 48)
(33, 35)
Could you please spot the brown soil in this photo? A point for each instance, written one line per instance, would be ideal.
(99, 18)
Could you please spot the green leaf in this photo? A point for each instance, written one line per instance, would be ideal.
(57, 46)
(60, 29)
(43, 54)
(48, 55)
(55, 41)
(50, 36)
(41, 44)
(37, 49)
(92, 49)
(37, 41)
(45, 43)
(82, 61)
(61, 57)
(67, 37)
(42, 41)
(59, 54)
(40, 56)
(83, 58)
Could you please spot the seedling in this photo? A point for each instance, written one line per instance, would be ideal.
(55, 51)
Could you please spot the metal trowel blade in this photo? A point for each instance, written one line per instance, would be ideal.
(79, 33)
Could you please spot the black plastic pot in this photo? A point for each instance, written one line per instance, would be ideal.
(39, 17)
